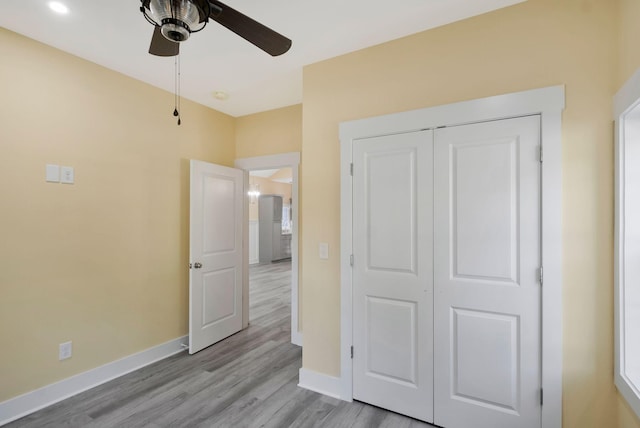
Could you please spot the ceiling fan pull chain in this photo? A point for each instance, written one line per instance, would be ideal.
(176, 93)
(179, 78)
(175, 86)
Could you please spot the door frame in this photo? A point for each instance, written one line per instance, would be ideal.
(548, 103)
(284, 160)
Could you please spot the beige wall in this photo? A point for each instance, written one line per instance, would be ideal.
(101, 262)
(269, 132)
(531, 45)
(629, 39)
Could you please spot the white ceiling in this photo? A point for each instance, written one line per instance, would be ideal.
(114, 34)
(269, 173)
(264, 173)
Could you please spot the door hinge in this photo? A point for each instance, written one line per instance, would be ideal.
(351, 259)
(352, 352)
(540, 154)
(351, 169)
(541, 396)
(541, 273)
(190, 266)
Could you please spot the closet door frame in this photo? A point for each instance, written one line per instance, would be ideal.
(548, 103)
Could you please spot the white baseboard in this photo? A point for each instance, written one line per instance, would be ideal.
(318, 382)
(296, 338)
(33, 401)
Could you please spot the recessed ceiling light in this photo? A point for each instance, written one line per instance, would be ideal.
(58, 7)
(220, 95)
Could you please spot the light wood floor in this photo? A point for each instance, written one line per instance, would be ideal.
(247, 380)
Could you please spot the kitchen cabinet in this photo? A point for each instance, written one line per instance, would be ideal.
(270, 230)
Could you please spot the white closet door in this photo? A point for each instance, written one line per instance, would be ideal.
(393, 273)
(487, 284)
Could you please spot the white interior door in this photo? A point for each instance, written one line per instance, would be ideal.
(393, 273)
(216, 254)
(487, 281)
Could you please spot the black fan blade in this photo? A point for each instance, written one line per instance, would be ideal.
(160, 46)
(252, 31)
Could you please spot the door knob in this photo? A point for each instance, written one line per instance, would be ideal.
(197, 265)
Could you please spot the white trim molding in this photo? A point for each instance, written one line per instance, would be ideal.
(284, 160)
(318, 382)
(25, 404)
(254, 241)
(548, 103)
(624, 102)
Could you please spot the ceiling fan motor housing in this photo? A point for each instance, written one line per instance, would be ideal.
(177, 19)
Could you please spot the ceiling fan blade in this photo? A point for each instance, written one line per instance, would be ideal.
(252, 31)
(160, 46)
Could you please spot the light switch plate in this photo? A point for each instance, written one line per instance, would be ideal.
(66, 175)
(324, 250)
(52, 173)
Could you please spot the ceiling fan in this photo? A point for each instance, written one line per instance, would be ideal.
(175, 20)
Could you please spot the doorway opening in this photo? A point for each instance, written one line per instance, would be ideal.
(270, 231)
(271, 267)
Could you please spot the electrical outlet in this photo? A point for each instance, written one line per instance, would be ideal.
(64, 351)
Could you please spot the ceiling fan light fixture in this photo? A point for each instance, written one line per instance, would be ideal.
(177, 19)
(174, 30)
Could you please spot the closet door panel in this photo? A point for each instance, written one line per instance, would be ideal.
(487, 260)
(392, 274)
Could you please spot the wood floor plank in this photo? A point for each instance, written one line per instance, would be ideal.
(287, 414)
(370, 416)
(263, 411)
(317, 411)
(343, 416)
(248, 380)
